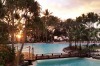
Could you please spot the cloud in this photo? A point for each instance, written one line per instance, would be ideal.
(70, 8)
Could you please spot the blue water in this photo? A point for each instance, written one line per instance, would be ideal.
(44, 48)
(68, 62)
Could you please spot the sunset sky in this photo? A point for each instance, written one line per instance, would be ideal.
(70, 8)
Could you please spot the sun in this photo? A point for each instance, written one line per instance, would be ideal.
(18, 36)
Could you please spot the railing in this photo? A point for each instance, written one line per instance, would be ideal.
(51, 56)
(55, 55)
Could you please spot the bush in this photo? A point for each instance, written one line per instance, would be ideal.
(7, 54)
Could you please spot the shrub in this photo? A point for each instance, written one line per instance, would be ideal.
(7, 54)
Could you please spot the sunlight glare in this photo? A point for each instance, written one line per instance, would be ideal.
(18, 36)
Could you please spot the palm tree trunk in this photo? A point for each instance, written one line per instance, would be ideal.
(12, 18)
(46, 31)
(75, 45)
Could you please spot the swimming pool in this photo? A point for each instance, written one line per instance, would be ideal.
(67, 62)
(44, 48)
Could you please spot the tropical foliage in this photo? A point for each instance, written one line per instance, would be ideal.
(23, 16)
(7, 55)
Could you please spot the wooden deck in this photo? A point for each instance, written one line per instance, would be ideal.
(53, 56)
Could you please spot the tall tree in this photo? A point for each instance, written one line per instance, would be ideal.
(3, 33)
(89, 19)
(20, 11)
(46, 14)
(69, 30)
(3, 26)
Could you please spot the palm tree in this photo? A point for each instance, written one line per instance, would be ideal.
(52, 24)
(46, 14)
(89, 20)
(69, 28)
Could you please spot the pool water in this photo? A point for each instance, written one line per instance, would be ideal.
(68, 62)
(44, 48)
